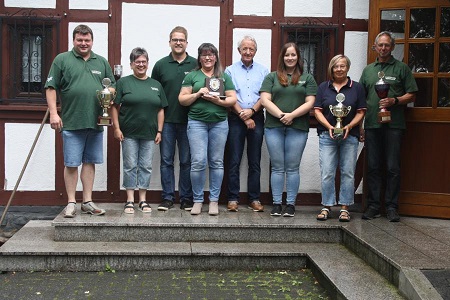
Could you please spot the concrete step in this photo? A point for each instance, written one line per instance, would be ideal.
(345, 275)
(178, 225)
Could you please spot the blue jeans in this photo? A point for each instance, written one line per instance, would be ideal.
(82, 146)
(285, 147)
(383, 150)
(236, 141)
(137, 158)
(331, 153)
(207, 144)
(172, 134)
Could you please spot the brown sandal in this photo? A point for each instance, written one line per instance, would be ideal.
(324, 214)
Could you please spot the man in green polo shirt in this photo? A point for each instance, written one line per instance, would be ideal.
(77, 75)
(383, 140)
(170, 72)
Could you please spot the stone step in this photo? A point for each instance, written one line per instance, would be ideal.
(344, 274)
(178, 225)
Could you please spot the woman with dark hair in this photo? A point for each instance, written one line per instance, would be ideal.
(341, 149)
(138, 118)
(207, 128)
(288, 95)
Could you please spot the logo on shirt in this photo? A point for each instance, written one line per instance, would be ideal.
(302, 82)
(96, 72)
(391, 78)
(186, 72)
(49, 78)
(155, 89)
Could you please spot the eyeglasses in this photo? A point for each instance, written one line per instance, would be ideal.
(208, 55)
(140, 62)
(178, 41)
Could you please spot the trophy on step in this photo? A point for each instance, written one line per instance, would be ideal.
(339, 111)
(105, 97)
(382, 89)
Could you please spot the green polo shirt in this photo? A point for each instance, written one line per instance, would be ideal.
(170, 73)
(402, 81)
(140, 102)
(77, 82)
(289, 98)
(202, 110)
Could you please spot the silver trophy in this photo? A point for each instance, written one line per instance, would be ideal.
(339, 111)
(105, 97)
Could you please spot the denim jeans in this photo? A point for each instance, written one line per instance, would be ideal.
(83, 146)
(207, 144)
(285, 147)
(383, 150)
(236, 141)
(137, 157)
(331, 153)
(172, 134)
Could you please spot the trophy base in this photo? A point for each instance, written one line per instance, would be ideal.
(104, 121)
(384, 117)
(338, 133)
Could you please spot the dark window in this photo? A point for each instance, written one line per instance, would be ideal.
(317, 43)
(31, 45)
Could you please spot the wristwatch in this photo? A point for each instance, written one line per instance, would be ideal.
(396, 100)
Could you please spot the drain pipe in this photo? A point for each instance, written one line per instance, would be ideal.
(24, 166)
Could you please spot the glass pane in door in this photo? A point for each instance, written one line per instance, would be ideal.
(422, 23)
(444, 92)
(393, 21)
(421, 57)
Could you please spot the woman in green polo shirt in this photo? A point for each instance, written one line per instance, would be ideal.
(207, 128)
(138, 118)
(288, 95)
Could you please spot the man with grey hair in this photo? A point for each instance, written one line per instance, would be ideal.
(383, 140)
(246, 122)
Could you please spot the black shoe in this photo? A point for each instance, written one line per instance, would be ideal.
(276, 210)
(371, 214)
(289, 211)
(186, 204)
(392, 215)
(165, 205)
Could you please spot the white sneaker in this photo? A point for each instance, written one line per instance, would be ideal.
(197, 208)
(213, 208)
(71, 210)
(90, 208)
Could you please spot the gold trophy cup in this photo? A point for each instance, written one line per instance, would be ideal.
(105, 97)
(339, 111)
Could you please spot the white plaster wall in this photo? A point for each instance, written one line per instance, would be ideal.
(357, 9)
(159, 21)
(252, 8)
(31, 3)
(355, 47)
(100, 31)
(88, 4)
(317, 8)
(40, 172)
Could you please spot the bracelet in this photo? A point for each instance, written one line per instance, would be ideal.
(159, 131)
(396, 100)
(253, 110)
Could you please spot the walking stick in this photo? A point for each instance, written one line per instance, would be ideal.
(24, 166)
